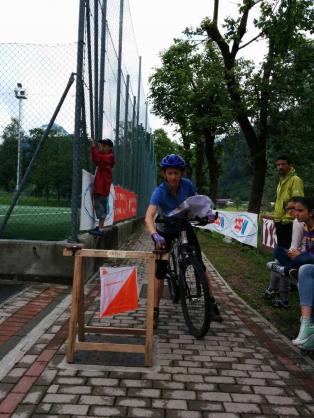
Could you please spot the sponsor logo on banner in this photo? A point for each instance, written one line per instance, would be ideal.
(241, 226)
(221, 223)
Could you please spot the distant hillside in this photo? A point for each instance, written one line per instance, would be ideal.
(58, 128)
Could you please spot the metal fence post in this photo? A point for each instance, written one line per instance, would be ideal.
(138, 138)
(89, 66)
(76, 181)
(102, 66)
(96, 72)
(119, 72)
(125, 155)
(133, 147)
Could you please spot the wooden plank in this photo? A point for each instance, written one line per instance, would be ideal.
(74, 308)
(117, 254)
(81, 305)
(115, 330)
(118, 348)
(112, 254)
(150, 313)
(71, 249)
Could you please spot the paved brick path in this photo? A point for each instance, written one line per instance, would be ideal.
(242, 368)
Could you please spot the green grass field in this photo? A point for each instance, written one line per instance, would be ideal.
(244, 268)
(37, 222)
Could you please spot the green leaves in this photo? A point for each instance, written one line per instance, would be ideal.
(8, 156)
(52, 173)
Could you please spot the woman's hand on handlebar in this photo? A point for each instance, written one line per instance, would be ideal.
(211, 216)
(159, 241)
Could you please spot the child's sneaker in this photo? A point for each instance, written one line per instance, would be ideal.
(96, 231)
(308, 345)
(274, 266)
(279, 303)
(269, 294)
(306, 331)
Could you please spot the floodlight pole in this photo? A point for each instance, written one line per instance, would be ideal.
(20, 94)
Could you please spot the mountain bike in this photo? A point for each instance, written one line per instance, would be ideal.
(186, 279)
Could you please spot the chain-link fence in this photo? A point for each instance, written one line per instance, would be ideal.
(44, 122)
(32, 81)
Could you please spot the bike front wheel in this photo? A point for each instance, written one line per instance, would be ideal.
(172, 279)
(194, 296)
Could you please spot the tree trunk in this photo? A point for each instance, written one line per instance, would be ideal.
(257, 147)
(256, 144)
(213, 167)
(199, 176)
(187, 153)
(258, 180)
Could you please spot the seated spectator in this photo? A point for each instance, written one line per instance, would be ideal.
(305, 338)
(278, 281)
(293, 259)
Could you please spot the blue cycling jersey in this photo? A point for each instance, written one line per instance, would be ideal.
(166, 202)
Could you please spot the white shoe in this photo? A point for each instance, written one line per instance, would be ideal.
(273, 266)
(306, 330)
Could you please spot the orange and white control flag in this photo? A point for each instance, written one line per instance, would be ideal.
(118, 290)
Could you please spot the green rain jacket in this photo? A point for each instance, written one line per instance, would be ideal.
(289, 186)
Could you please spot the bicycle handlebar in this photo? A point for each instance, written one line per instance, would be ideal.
(177, 221)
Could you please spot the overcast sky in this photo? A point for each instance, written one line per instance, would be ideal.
(156, 23)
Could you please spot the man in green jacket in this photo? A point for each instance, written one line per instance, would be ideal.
(289, 185)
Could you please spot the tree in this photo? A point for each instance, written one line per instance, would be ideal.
(236, 173)
(292, 126)
(163, 146)
(188, 91)
(8, 156)
(282, 25)
(52, 173)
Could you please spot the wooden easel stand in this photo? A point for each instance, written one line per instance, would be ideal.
(77, 326)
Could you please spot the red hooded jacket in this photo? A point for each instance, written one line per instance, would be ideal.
(103, 176)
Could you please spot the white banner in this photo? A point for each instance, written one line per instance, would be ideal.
(88, 216)
(242, 226)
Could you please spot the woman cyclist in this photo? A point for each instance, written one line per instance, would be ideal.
(165, 198)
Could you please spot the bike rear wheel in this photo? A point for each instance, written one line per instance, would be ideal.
(194, 296)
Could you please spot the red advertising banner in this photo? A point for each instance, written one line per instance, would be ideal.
(125, 204)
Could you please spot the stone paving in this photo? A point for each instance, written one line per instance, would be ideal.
(242, 368)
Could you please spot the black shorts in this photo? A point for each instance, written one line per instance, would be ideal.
(161, 265)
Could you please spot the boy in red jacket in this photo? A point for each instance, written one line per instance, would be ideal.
(104, 160)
